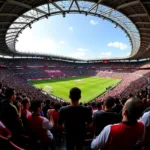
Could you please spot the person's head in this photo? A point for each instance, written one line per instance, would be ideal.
(99, 105)
(142, 93)
(10, 94)
(64, 104)
(93, 104)
(123, 101)
(130, 95)
(36, 106)
(57, 106)
(47, 102)
(26, 103)
(52, 104)
(117, 102)
(132, 109)
(75, 94)
(19, 99)
(109, 102)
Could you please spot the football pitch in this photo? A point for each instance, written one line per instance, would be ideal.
(91, 87)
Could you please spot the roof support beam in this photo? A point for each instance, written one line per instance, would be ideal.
(9, 14)
(58, 7)
(10, 43)
(48, 7)
(10, 36)
(145, 34)
(146, 38)
(12, 33)
(40, 11)
(71, 4)
(148, 29)
(11, 39)
(119, 17)
(96, 9)
(142, 22)
(13, 2)
(77, 5)
(95, 5)
(14, 28)
(145, 43)
(138, 15)
(19, 23)
(29, 17)
(3, 29)
(128, 4)
(107, 12)
(3, 23)
(148, 2)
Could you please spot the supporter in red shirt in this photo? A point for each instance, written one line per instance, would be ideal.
(25, 111)
(39, 127)
(56, 130)
(55, 113)
(122, 136)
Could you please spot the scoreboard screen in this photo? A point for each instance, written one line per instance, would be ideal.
(105, 61)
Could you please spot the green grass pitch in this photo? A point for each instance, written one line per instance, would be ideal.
(91, 87)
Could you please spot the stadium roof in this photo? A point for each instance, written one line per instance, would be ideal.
(132, 16)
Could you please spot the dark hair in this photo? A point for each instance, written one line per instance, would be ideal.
(19, 98)
(64, 104)
(117, 101)
(134, 108)
(144, 100)
(99, 105)
(93, 105)
(109, 102)
(9, 93)
(35, 104)
(47, 102)
(123, 100)
(57, 106)
(130, 95)
(75, 94)
(25, 101)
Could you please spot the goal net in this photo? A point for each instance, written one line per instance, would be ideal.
(47, 89)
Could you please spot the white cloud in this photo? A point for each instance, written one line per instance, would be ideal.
(29, 43)
(105, 54)
(93, 22)
(119, 45)
(62, 42)
(70, 28)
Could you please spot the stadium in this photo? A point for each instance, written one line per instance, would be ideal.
(62, 100)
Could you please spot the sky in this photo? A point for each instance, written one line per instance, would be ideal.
(76, 36)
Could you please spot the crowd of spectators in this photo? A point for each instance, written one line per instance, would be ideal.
(31, 119)
(37, 124)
